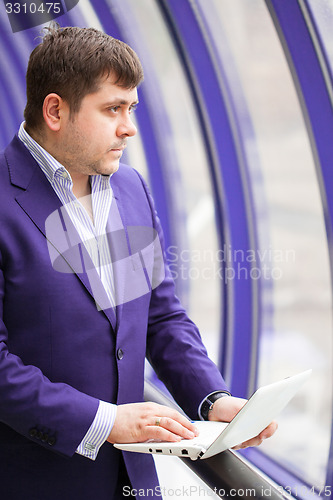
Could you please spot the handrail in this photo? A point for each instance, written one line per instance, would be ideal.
(227, 474)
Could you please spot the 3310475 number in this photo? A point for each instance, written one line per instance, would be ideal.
(33, 8)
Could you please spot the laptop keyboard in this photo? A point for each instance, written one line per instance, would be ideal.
(208, 432)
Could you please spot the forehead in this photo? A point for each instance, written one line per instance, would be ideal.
(108, 92)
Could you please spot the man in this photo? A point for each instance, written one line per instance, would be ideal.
(83, 301)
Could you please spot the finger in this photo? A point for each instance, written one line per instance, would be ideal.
(174, 427)
(160, 434)
(269, 431)
(155, 431)
(256, 441)
(175, 416)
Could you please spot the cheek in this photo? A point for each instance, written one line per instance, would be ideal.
(93, 137)
(96, 136)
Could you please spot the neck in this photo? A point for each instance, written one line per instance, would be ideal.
(37, 136)
(81, 184)
(82, 191)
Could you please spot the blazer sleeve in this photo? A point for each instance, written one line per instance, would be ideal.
(55, 415)
(174, 345)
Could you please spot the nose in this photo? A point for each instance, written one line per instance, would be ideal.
(126, 127)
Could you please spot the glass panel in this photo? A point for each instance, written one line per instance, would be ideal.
(183, 149)
(297, 301)
(322, 11)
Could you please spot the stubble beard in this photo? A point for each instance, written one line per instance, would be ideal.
(97, 168)
(76, 160)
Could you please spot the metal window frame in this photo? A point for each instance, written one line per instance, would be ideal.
(232, 193)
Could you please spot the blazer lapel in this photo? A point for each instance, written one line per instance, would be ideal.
(43, 207)
(129, 256)
(118, 245)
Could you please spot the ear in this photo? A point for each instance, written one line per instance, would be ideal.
(54, 110)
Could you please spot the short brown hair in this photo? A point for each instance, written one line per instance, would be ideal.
(71, 62)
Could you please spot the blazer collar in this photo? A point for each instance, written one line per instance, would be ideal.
(21, 165)
(38, 200)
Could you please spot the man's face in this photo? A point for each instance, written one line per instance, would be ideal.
(93, 140)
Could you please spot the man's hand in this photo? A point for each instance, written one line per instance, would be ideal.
(138, 422)
(226, 408)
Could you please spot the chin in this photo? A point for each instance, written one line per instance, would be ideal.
(115, 168)
(107, 169)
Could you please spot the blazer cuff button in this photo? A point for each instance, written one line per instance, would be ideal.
(33, 432)
(51, 441)
(45, 437)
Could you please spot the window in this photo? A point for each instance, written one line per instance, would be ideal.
(296, 302)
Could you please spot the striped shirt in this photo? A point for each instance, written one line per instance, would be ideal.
(92, 231)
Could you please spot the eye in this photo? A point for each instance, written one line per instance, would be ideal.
(133, 108)
(114, 109)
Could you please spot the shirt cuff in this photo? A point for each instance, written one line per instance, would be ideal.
(99, 430)
(223, 393)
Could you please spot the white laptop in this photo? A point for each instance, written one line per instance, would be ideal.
(215, 437)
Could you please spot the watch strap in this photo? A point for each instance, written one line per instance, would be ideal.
(208, 403)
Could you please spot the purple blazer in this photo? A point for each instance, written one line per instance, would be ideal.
(60, 354)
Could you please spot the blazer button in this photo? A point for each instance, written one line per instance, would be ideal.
(120, 354)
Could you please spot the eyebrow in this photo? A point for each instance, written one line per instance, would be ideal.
(122, 102)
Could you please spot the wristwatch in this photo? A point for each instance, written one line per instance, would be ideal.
(208, 403)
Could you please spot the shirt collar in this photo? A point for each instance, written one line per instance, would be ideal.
(45, 160)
